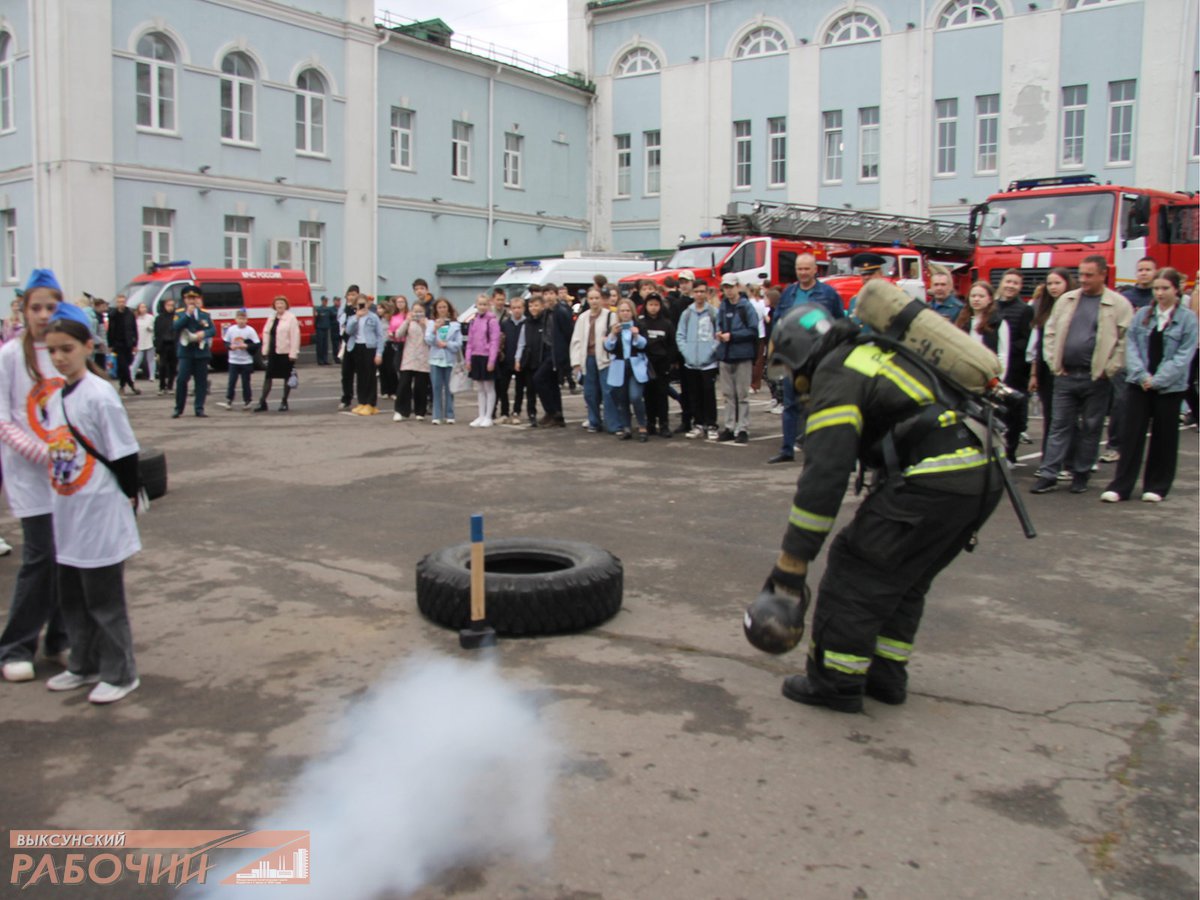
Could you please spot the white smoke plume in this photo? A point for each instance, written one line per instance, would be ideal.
(442, 765)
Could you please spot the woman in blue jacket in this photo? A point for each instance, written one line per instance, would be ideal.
(627, 370)
(1158, 357)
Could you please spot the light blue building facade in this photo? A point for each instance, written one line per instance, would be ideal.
(253, 133)
(920, 107)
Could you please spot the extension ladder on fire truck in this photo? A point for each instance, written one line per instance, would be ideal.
(823, 223)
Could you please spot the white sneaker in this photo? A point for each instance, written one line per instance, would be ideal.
(5, 547)
(396, 417)
(485, 423)
(111, 693)
(476, 422)
(1064, 475)
(419, 418)
(1110, 456)
(1110, 497)
(435, 421)
(713, 434)
(1151, 497)
(68, 681)
(247, 405)
(696, 432)
(449, 421)
(225, 404)
(18, 670)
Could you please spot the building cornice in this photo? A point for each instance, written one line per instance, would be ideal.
(226, 183)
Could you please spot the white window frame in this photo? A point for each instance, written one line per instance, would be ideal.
(967, 13)
(403, 139)
(761, 41)
(240, 111)
(8, 119)
(852, 28)
(158, 229)
(312, 252)
(987, 134)
(239, 238)
(10, 263)
(162, 114)
(652, 159)
(743, 149)
(514, 146)
(1122, 107)
(945, 137)
(868, 144)
(777, 152)
(638, 61)
(460, 150)
(310, 107)
(832, 146)
(623, 147)
(1074, 123)
(1072, 5)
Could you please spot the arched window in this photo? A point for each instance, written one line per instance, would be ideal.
(6, 83)
(310, 112)
(638, 61)
(958, 13)
(759, 42)
(156, 82)
(852, 28)
(237, 98)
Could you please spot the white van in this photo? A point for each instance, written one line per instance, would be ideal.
(574, 269)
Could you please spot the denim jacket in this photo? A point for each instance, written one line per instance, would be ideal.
(367, 330)
(1179, 344)
(632, 348)
(444, 356)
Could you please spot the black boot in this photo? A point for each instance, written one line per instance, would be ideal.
(800, 689)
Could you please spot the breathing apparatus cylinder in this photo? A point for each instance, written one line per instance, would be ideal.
(929, 335)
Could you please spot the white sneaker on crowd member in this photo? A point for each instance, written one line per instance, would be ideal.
(476, 422)
(435, 421)
(419, 418)
(1151, 497)
(1110, 456)
(485, 423)
(246, 407)
(449, 421)
(18, 670)
(5, 547)
(1110, 497)
(68, 681)
(396, 417)
(713, 433)
(342, 407)
(224, 404)
(1064, 475)
(111, 693)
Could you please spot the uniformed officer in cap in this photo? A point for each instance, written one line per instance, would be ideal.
(931, 490)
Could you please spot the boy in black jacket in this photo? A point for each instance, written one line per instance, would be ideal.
(523, 358)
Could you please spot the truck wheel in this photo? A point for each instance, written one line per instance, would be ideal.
(152, 471)
(533, 586)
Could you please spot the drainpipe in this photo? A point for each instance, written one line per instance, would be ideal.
(39, 178)
(707, 114)
(383, 39)
(491, 161)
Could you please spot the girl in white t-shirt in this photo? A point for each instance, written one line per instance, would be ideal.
(93, 476)
(27, 380)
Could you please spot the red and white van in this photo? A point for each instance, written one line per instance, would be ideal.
(225, 292)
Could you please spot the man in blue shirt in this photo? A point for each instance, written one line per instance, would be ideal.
(806, 289)
(941, 296)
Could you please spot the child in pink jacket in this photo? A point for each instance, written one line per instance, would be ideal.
(483, 350)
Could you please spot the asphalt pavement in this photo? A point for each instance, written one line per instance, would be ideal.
(1048, 747)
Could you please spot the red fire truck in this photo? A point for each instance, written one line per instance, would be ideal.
(908, 245)
(750, 257)
(1040, 223)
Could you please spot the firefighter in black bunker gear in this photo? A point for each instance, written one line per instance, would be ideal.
(930, 492)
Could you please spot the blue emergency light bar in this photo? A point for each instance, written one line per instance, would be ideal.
(1028, 184)
(173, 264)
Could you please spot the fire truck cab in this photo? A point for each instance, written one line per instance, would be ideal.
(753, 259)
(1040, 223)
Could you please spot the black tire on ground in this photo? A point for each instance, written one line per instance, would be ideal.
(533, 586)
(152, 471)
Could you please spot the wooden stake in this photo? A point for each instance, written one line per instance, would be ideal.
(478, 599)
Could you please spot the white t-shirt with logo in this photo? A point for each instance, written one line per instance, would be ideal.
(239, 339)
(94, 525)
(24, 405)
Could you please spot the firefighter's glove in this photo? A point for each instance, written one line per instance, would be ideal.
(790, 576)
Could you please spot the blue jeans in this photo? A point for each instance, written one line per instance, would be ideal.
(593, 393)
(443, 400)
(794, 417)
(631, 392)
(242, 371)
(1078, 418)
